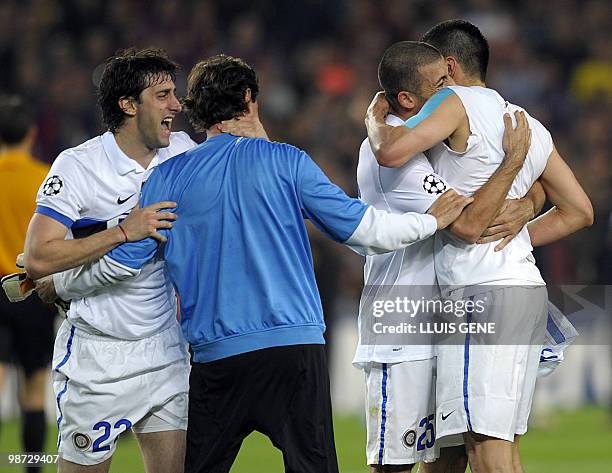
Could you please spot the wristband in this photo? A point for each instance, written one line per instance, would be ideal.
(124, 233)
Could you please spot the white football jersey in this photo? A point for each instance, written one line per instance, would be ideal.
(90, 188)
(463, 264)
(413, 187)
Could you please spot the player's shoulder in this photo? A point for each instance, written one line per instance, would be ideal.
(537, 127)
(268, 148)
(470, 90)
(457, 91)
(181, 141)
(541, 138)
(82, 155)
(476, 95)
(419, 164)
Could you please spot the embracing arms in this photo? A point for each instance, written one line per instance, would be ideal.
(393, 146)
(47, 251)
(572, 209)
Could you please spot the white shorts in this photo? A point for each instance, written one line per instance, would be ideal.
(105, 386)
(400, 412)
(488, 389)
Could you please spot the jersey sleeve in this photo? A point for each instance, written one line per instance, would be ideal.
(419, 194)
(362, 228)
(325, 204)
(62, 195)
(136, 254)
(85, 280)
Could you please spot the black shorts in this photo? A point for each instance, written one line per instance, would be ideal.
(282, 392)
(26, 333)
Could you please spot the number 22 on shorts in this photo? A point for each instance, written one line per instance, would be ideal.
(106, 432)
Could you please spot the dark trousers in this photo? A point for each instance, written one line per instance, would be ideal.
(282, 392)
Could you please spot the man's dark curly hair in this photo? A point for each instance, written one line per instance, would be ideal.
(127, 74)
(216, 90)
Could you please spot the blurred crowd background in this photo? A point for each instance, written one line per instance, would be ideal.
(317, 63)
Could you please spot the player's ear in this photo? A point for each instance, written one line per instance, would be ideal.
(128, 106)
(406, 100)
(453, 66)
(247, 95)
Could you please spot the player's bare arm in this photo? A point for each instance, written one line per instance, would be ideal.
(513, 216)
(572, 209)
(395, 146)
(490, 198)
(448, 207)
(47, 251)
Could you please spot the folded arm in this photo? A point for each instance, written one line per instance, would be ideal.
(394, 146)
(513, 216)
(47, 251)
(572, 209)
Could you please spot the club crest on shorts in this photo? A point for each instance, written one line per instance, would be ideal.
(409, 438)
(81, 441)
(433, 184)
(53, 185)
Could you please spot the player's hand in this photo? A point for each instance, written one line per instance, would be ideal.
(517, 140)
(448, 207)
(379, 107)
(510, 220)
(45, 287)
(247, 125)
(145, 222)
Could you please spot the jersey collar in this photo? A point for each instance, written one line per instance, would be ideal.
(394, 120)
(122, 163)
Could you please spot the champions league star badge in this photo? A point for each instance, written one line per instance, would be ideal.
(433, 185)
(53, 186)
(81, 441)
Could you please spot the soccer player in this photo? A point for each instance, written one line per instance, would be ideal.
(240, 259)
(120, 361)
(26, 329)
(463, 125)
(400, 378)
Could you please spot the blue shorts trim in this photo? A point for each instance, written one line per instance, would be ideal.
(383, 421)
(63, 391)
(68, 350)
(466, 368)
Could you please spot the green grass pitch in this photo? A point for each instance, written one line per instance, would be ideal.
(580, 442)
